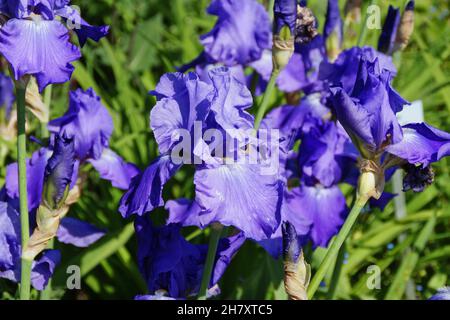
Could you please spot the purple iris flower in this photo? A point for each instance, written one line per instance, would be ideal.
(285, 14)
(241, 33)
(368, 112)
(59, 172)
(36, 43)
(87, 121)
(388, 34)
(168, 262)
(236, 194)
(333, 22)
(6, 94)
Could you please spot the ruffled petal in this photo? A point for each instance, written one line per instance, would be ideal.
(182, 100)
(241, 33)
(422, 144)
(39, 48)
(113, 168)
(240, 195)
(145, 193)
(78, 233)
(230, 101)
(88, 122)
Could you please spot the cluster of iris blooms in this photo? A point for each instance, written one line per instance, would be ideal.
(342, 128)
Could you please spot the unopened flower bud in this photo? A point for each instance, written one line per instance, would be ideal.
(406, 27)
(389, 33)
(58, 173)
(297, 272)
(371, 180)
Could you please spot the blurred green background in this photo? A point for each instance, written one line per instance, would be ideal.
(149, 38)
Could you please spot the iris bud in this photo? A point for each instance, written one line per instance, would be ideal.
(58, 173)
(371, 180)
(297, 272)
(406, 27)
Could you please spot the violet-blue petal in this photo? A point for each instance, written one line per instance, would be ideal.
(39, 48)
(182, 100)
(240, 195)
(227, 248)
(230, 101)
(302, 71)
(241, 33)
(166, 261)
(10, 249)
(35, 178)
(87, 121)
(145, 192)
(113, 168)
(83, 29)
(7, 97)
(318, 154)
(324, 208)
(368, 115)
(43, 268)
(185, 212)
(422, 144)
(78, 233)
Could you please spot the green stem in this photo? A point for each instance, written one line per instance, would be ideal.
(362, 35)
(23, 196)
(335, 246)
(47, 292)
(216, 230)
(266, 99)
(336, 273)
